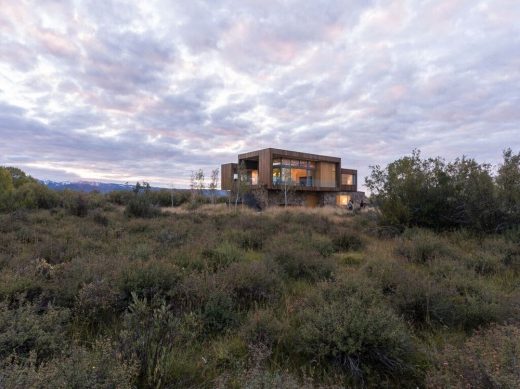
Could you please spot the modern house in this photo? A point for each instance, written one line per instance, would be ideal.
(306, 179)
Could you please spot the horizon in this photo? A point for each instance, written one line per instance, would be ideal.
(119, 92)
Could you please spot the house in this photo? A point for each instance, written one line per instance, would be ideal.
(304, 179)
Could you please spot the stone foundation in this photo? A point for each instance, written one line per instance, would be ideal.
(273, 198)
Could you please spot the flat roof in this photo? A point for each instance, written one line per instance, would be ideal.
(290, 154)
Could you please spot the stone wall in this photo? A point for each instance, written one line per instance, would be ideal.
(272, 198)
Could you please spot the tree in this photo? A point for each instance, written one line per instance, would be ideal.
(137, 188)
(287, 184)
(6, 188)
(432, 193)
(213, 184)
(508, 186)
(240, 184)
(196, 184)
(19, 177)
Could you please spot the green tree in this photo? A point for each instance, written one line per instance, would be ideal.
(508, 186)
(6, 188)
(213, 184)
(240, 184)
(431, 193)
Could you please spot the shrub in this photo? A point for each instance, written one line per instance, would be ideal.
(77, 367)
(76, 203)
(299, 262)
(28, 327)
(171, 238)
(120, 197)
(345, 325)
(33, 195)
(219, 313)
(149, 333)
(263, 327)
(322, 244)
(489, 359)
(346, 240)
(222, 256)
(249, 239)
(97, 303)
(141, 206)
(147, 279)
(454, 301)
(420, 246)
(100, 218)
(252, 282)
(511, 259)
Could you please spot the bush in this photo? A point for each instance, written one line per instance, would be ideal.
(147, 279)
(345, 325)
(458, 300)
(97, 303)
(347, 241)
(149, 334)
(249, 239)
(420, 246)
(34, 195)
(141, 206)
(219, 313)
(77, 367)
(252, 283)
(263, 327)
(300, 262)
(222, 256)
(489, 359)
(28, 327)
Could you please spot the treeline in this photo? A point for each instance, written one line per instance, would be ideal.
(21, 191)
(433, 193)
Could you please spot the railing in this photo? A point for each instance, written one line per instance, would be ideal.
(307, 184)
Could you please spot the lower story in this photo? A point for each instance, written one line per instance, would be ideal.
(263, 198)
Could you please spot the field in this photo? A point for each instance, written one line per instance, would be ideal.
(220, 298)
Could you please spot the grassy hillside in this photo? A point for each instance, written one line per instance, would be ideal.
(215, 298)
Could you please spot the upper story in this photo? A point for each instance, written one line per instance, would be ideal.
(275, 169)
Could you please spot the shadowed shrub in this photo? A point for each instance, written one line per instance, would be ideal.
(222, 256)
(300, 262)
(149, 279)
(345, 240)
(27, 327)
(346, 325)
(489, 359)
(141, 206)
(420, 246)
(77, 367)
(251, 283)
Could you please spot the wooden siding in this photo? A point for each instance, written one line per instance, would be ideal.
(265, 169)
(226, 175)
(265, 166)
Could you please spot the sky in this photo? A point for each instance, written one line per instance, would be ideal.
(118, 91)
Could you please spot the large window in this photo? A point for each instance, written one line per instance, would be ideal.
(294, 172)
(342, 200)
(348, 179)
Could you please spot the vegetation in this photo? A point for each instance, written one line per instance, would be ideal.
(435, 194)
(114, 292)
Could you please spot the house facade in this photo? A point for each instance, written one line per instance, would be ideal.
(304, 179)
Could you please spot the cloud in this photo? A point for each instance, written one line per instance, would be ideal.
(122, 91)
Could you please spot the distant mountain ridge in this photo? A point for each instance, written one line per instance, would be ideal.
(103, 187)
(88, 186)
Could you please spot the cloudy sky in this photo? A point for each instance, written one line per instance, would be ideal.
(116, 92)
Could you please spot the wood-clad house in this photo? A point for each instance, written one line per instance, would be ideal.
(313, 179)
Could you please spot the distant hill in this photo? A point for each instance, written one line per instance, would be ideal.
(86, 186)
